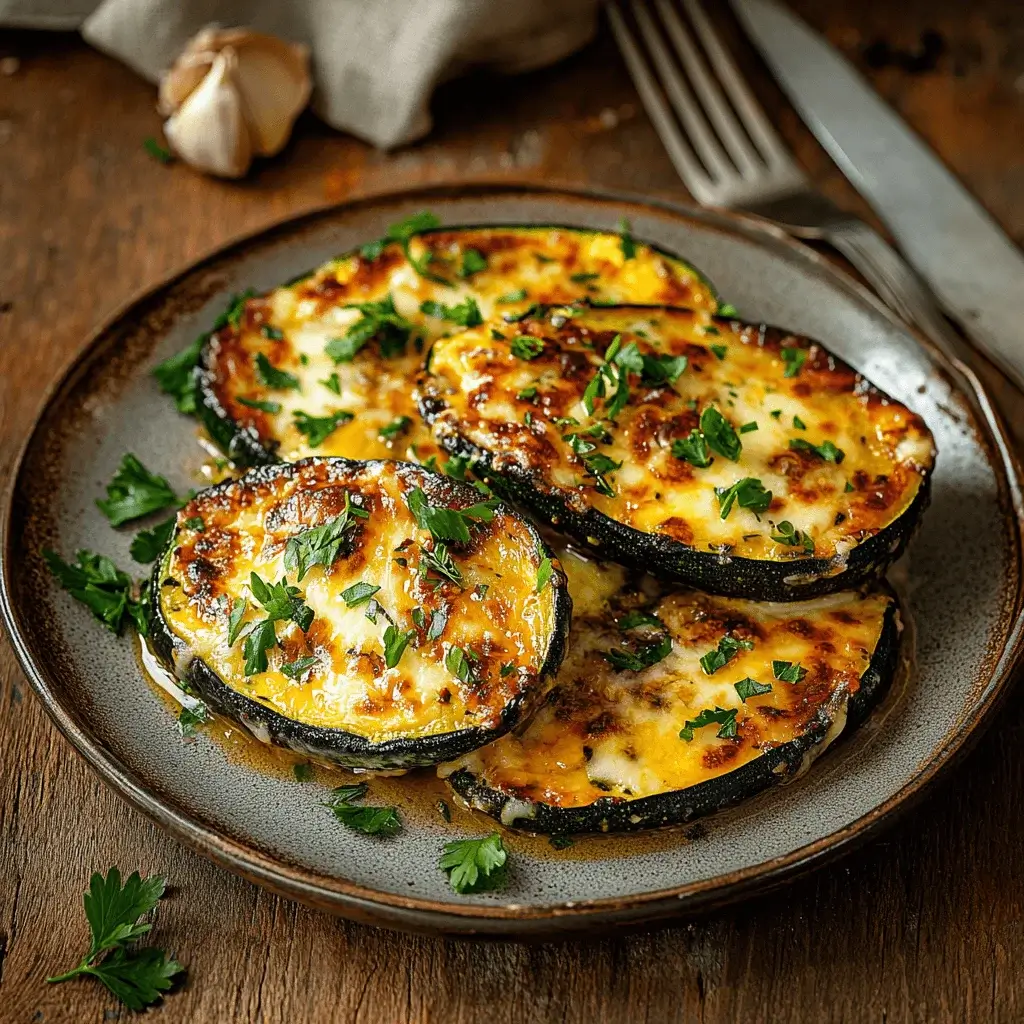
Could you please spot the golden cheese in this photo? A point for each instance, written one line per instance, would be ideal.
(840, 459)
(304, 329)
(494, 615)
(610, 733)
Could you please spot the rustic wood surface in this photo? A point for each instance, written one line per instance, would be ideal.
(926, 923)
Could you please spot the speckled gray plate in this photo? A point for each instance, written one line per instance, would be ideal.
(962, 582)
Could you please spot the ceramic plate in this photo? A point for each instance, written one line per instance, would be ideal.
(961, 582)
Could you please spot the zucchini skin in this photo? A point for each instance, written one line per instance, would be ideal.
(338, 745)
(243, 446)
(666, 558)
(611, 814)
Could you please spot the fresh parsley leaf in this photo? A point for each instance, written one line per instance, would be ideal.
(748, 428)
(447, 524)
(720, 434)
(787, 533)
(747, 493)
(456, 467)
(397, 426)
(402, 233)
(189, 719)
(358, 593)
(724, 718)
(626, 239)
(159, 153)
(544, 571)
(597, 464)
(644, 655)
(517, 296)
(316, 429)
(257, 403)
(281, 602)
(137, 977)
(438, 566)
(102, 587)
(148, 545)
(661, 368)
(381, 321)
(135, 492)
(507, 669)
(793, 359)
(465, 314)
(373, 821)
(475, 865)
(395, 643)
(748, 687)
(788, 671)
(459, 664)
(272, 333)
(238, 610)
(826, 450)
(298, 668)
(438, 620)
(271, 377)
(775, 413)
(558, 842)
(693, 449)
(332, 383)
(720, 351)
(176, 376)
(727, 649)
(322, 544)
(583, 278)
(194, 523)
(473, 261)
(232, 316)
(799, 423)
(637, 619)
(258, 641)
(525, 346)
(523, 314)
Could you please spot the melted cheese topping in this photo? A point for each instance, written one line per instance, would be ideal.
(496, 615)
(609, 733)
(521, 412)
(293, 325)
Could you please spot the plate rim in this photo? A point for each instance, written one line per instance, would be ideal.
(418, 914)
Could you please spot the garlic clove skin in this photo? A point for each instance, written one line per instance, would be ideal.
(209, 129)
(259, 85)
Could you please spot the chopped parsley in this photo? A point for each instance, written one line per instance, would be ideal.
(195, 523)
(793, 359)
(238, 610)
(799, 423)
(438, 567)
(332, 383)
(626, 242)
(727, 309)
(786, 533)
(322, 544)
(459, 664)
(176, 376)
(748, 428)
(826, 450)
(272, 333)
(517, 296)
(373, 821)
(359, 593)
(583, 278)
(465, 314)
(788, 671)
(473, 261)
(527, 394)
(722, 717)
(747, 493)
(271, 377)
(296, 670)
(148, 545)
(257, 403)
(525, 346)
(611, 378)
(775, 413)
(728, 647)
(135, 492)
(448, 524)
(281, 601)
(395, 643)
(643, 655)
(544, 571)
(258, 641)
(438, 620)
(394, 428)
(475, 865)
(159, 153)
(638, 619)
(403, 233)
(720, 351)
(747, 688)
(720, 434)
(380, 321)
(692, 449)
(316, 429)
(106, 591)
(597, 464)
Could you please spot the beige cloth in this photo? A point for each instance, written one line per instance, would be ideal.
(375, 62)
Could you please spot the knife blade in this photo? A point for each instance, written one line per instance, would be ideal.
(973, 268)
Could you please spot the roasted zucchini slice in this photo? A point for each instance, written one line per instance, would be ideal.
(671, 705)
(731, 457)
(371, 613)
(326, 365)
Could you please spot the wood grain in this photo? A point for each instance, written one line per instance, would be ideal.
(925, 924)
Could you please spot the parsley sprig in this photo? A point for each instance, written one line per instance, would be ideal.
(475, 865)
(135, 492)
(281, 602)
(104, 589)
(826, 451)
(323, 544)
(138, 977)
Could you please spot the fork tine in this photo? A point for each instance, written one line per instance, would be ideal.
(690, 170)
(686, 107)
(757, 125)
(744, 155)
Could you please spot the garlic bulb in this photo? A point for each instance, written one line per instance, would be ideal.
(232, 95)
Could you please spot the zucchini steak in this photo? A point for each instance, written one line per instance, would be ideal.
(374, 614)
(673, 704)
(732, 457)
(326, 365)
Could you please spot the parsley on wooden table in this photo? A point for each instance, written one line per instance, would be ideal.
(475, 865)
(137, 977)
(135, 492)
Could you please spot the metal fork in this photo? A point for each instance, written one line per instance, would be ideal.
(729, 155)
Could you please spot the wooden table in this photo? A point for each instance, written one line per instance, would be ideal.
(926, 923)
